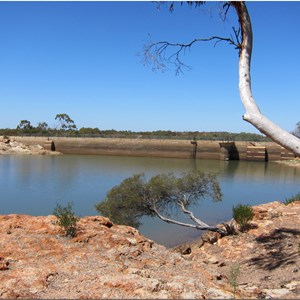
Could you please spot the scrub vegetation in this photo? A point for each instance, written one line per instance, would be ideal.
(65, 126)
(243, 214)
(66, 219)
(293, 198)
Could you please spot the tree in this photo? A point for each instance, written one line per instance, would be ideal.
(24, 125)
(43, 126)
(155, 53)
(161, 196)
(89, 131)
(66, 123)
(296, 132)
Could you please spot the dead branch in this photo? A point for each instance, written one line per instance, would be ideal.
(190, 213)
(199, 224)
(156, 53)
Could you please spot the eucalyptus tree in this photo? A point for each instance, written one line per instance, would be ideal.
(163, 196)
(66, 123)
(43, 126)
(242, 39)
(297, 130)
(25, 125)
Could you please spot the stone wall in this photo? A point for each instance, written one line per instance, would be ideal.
(155, 147)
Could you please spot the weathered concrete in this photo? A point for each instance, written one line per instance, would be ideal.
(155, 147)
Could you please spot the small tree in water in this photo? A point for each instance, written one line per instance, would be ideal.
(161, 196)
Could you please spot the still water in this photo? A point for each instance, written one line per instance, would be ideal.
(35, 184)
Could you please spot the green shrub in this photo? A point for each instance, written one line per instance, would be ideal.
(232, 276)
(66, 219)
(243, 214)
(292, 199)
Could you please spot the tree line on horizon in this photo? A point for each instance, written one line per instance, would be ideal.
(66, 127)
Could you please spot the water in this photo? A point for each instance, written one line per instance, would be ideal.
(35, 184)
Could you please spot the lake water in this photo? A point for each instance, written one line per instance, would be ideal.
(35, 184)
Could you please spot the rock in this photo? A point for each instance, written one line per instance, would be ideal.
(6, 140)
(200, 243)
(184, 249)
(276, 293)
(220, 276)
(4, 264)
(12, 147)
(212, 260)
(106, 260)
(211, 237)
(103, 261)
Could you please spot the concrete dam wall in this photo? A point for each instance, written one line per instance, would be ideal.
(218, 150)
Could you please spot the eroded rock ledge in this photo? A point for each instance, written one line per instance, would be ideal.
(8, 146)
(111, 261)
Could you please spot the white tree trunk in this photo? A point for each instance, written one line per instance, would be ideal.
(253, 114)
(199, 224)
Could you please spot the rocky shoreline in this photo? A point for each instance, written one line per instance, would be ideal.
(11, 147)
(110, 261)
(292, 162)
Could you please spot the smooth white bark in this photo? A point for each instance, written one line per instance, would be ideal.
(199, 224)
(253, 114)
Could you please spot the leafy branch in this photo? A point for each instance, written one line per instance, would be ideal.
(161, 196)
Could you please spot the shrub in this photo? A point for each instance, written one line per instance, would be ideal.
(232, 276)
(66, 219)
(243, 214)
(292, 199)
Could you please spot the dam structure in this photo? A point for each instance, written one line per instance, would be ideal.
(168, 148)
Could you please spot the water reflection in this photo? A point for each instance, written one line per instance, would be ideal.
(34, 184)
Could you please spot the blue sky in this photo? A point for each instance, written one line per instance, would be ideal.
(81, 58)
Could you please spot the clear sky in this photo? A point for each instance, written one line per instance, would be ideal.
(81, 58)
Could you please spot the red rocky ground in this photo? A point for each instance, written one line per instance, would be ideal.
(111, 261)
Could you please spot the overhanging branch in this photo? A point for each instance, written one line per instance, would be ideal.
(171, 221)
(156, 53)
(190, 213)
(199, 227)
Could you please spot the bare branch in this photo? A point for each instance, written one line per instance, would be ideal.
(190, 213)
(171, 221)
(156, 53)
(198, 226)
(226, 7)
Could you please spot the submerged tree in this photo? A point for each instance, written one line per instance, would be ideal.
(156, 53)
(163, 196)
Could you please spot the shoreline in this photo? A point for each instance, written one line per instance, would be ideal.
(12, 147)
(291, 163)
(111, 261)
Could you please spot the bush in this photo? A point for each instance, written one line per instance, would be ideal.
(243, 214)
(66, 219)
(292, 199)
(232, 276)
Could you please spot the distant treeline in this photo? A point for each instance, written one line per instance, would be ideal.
(160, 134)
(66, 127)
